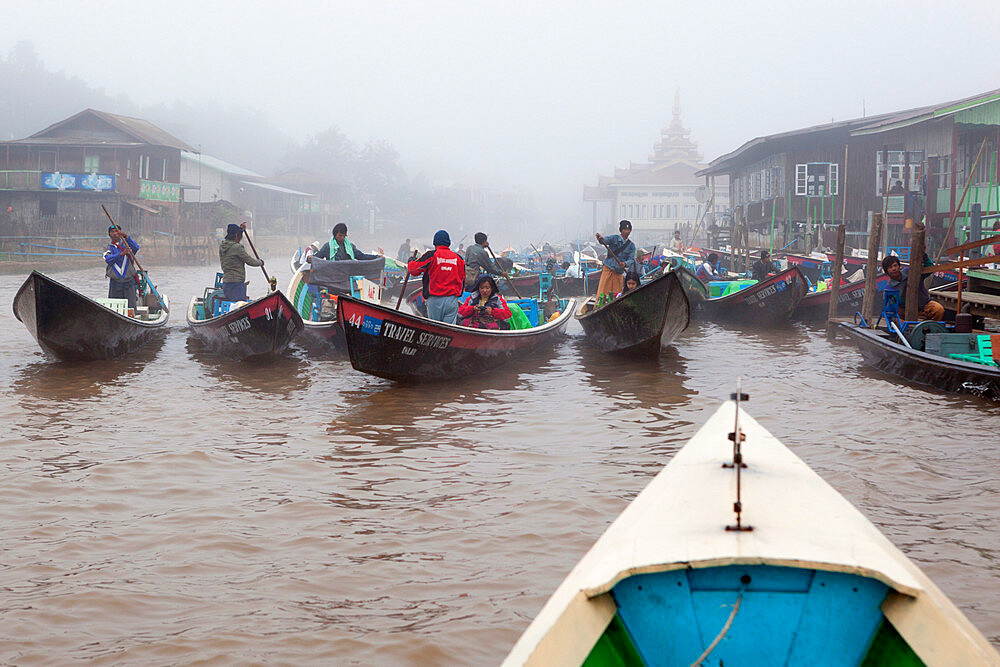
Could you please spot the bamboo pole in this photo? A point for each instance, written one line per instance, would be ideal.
(916, 277)
(835, 281)
(788, 222)
(871, 268)
(954, 213)
(843, 214)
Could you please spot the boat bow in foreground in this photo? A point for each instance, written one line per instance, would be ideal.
(673, 582)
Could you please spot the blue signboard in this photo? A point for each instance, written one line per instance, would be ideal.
(371, 325)
(95, 182)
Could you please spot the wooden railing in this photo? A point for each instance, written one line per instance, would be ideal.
(20, 179)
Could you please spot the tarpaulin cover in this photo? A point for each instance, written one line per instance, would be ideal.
(336, 276)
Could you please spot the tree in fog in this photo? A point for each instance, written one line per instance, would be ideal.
(34, 98)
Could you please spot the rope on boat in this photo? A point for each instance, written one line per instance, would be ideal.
(725, 629)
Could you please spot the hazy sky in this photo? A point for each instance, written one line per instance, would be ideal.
(544, 95)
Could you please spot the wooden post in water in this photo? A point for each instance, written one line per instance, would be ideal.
(871, 268)
(916, 270)
(835, 272)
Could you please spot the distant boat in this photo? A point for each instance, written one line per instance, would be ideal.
(641, 321)
(799, 577)
(72, 327)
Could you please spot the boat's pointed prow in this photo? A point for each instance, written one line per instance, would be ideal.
(764, 563)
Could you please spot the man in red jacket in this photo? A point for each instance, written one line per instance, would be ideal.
(444, 274)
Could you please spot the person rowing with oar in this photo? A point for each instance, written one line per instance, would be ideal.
(477, 262)
(621, 253)
(119, 255)
(234, 258)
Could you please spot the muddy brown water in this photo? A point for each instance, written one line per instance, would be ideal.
(174, 508)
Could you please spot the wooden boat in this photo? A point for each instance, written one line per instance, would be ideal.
(72, 327)
(408, 348)
(565, 287)
(639, 322)
(926, 357)
(799, 577)
(816, 305)
(748, 302)
(316, 301)
(527, 284)
(811, 267)
(256, 329)
(320, 328)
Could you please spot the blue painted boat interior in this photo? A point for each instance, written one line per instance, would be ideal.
(787, 615)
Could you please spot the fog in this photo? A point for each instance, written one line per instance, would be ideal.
(543, 98)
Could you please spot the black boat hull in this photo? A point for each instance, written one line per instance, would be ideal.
(769, 302)
(406, 348)
(566, 287)
(642, 321)
(816, 305)
(260, 329)
(69, 326)
(924, 368)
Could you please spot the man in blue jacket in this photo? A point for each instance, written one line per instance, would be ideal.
(120, 260)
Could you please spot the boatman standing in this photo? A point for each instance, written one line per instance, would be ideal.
(404, 251)
(675, 243)
(477, 261)
(444, 275)
(234, 257)
(619, 247)
(121, 266)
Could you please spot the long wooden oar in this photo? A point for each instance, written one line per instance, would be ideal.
(504, 273)
(272, 282)
(605, 244)
(128, 251)
(403, 291)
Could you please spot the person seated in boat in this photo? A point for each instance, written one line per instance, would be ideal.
(443, 278)
(338, 248)
(706, 270)
(898, 277)
(621, 254)
(675, 243)
(120, 271)
(234, 259)
(763, 267)
(485, 308)
(631, 282)
(478, 261)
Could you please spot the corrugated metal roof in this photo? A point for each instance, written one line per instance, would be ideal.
(141, 129)
(984, 114)
(218, 165)
(863, 126)
(277, 188)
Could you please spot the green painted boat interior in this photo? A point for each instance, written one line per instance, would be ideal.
(719, 288)
(786, 616)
